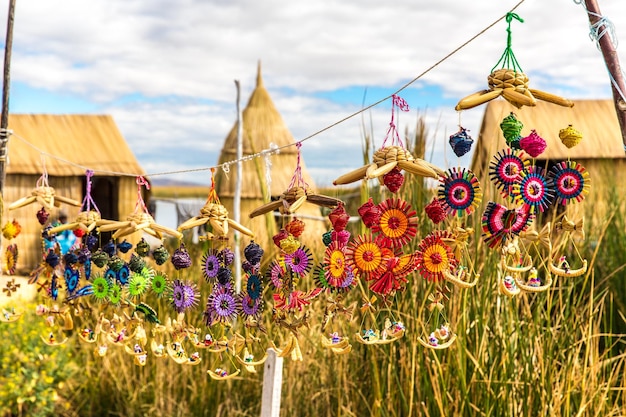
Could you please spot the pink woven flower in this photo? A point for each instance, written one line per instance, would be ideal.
(533, 144)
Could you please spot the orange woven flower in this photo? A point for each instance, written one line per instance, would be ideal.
(398, 222)
(365, 254)
(434, 257)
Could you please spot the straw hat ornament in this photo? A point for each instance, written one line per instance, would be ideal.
(510, 83)
(390, 160)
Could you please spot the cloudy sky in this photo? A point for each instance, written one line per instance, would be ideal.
(165, 70)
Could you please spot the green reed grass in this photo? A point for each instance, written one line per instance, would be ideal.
(557, 353)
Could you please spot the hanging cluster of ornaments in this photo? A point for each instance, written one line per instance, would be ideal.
(102, 290)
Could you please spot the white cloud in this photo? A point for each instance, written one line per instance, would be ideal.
(184, 56)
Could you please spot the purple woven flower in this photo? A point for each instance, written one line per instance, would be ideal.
(181, 259)
(299, 261)
(210, 265)
(184, 296)
(249, 307)
(221, 306)
(226, 256)
(253, 253)
(91, 242)
(83, 254)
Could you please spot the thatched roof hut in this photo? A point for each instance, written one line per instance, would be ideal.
(79, 142)
(601, 150)
(262, 126)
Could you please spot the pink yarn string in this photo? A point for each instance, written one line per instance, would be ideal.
(297, 179)
(396, 101)
(88, 200)
(141, 181)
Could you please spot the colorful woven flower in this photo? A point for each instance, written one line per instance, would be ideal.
(459, 191)
(505, 167)
(210, 265)
(137, 285)
(122, 274)
(533, 190)
(184, 295)
(250, 308)
(101, 287)
(434, 257)
(336, 265)
(398, 223)
(571, 182)
(221, 306)
(71, 276)
(11, 255)
(300, 261)
(500, 223)
(115, 294)
(159, 285)
(254, 287)
(295, 300)
(275, 274)
(365, 255)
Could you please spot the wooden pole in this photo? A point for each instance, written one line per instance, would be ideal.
(612, 62)
(4, 118)
(272, 384)
(237, 197)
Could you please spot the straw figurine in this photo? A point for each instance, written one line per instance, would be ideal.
(138, 221)
(510, 83)
(44, 195)
(296, 195)
(216, 215)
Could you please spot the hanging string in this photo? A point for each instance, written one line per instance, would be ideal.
(508, 59)
(88, 201)
(396, 101)
(213, 198)
(268, 170)
(141, 181)
(225, 166)
(296, 179)
(43, 180)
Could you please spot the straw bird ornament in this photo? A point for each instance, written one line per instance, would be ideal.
(46, 196)
(85, 221)
(138, 222)
(215, 215)
(513, 87)
(385, 160)
(291, 200)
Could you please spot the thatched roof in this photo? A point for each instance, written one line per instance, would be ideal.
(595, 119)
(262, 126)
(91, 141)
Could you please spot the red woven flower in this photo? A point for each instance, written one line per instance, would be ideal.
(393, 180)
(370, 213)
(339, 218)
(295, 227)
(434, 257)
(341, 237)
(435, 211)
(398, 222)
